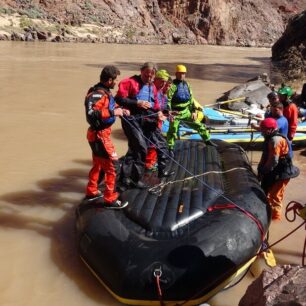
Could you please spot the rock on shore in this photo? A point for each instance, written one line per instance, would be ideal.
(281, 285)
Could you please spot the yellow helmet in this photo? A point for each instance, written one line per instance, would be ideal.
(181, 68)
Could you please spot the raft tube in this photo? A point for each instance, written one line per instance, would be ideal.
(189, 234)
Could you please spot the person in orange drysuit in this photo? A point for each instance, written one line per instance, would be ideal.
(275, 168)
(101, 112)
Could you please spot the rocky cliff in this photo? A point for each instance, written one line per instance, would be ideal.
(289, 52)
(231, 22)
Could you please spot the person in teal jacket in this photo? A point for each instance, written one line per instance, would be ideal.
(183, 108)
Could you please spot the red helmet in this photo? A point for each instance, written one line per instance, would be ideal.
(268, 123)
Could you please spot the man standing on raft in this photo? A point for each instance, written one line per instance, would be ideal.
(275, 168)
(138, 94)
(101, 113)
(181, 103)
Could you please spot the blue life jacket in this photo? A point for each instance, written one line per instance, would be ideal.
(146, 93)
(182, 94)
(111, 107)
(162, 100)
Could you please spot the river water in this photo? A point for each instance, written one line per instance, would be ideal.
(45, 159)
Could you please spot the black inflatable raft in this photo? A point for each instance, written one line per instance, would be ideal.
(185, 238)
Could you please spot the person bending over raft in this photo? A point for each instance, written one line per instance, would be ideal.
(139, 94)
(101, 113)
(181, 103)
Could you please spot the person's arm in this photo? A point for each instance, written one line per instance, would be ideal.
(123, 95)
(293, 121)
(193, 103)
(170, 95)
(126, 95)
(255, 126)
(191, 94)
(275, 148)
(197, 105)
(94, 108)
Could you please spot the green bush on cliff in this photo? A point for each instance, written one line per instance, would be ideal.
(25, 22)
(33, 12)
(7, 10)
(88, 6)
(130, 33)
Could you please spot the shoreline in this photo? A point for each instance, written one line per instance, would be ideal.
(16, 27)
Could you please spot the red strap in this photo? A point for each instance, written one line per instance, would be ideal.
(159, 291)
(221, 206)
(232, 206)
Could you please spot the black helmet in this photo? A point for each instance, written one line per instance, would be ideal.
(272, 95)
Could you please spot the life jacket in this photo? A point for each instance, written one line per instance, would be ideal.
(100, 106)
(133, 88)
(146, 93)
(162, 100)
(285, 168)
(181, 97)
(148, 120)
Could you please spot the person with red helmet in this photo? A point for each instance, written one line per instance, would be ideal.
(101, 112)
(275, 168)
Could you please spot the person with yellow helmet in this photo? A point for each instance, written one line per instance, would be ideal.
(182, 103)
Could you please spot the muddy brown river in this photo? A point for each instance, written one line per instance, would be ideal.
(45, 159)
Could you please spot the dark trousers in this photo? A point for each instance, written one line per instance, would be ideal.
(140, 136)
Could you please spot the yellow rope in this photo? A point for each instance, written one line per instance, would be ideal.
(225, 102)
(161, 186)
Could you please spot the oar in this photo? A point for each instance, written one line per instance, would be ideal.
(237, 114)
(225, 102)
(230, 129)
(225, 132)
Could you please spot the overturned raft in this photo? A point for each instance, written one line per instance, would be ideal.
(184, 234)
